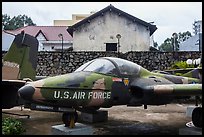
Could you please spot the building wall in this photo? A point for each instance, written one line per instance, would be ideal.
(75, 18)
(56, 45)
(55, 63)
(197, 26)
(41, 39)
(65, 22)
(45, 45)
(93, 36)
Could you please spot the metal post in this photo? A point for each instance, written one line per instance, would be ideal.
(174, 44)
(118, 36)
(61, 36)
(62, 46)
(118, 46)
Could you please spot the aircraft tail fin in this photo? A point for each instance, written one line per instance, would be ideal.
(195, 73)
(21, 59)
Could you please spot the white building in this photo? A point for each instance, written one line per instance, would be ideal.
(48, 37)
(193, 43)
(98, 32)
(197, 27)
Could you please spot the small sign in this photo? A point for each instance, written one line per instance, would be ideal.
(126, 81)
(117, 79)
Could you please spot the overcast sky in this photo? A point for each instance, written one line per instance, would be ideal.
(169, 17)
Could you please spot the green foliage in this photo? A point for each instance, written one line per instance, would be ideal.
(12, 126)
(181, 65)
(19, 21)
(166, 46)
(178, 74)
(169, 43)
(184, 36)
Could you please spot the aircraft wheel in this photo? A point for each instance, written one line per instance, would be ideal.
(67, 118)
(197, 117)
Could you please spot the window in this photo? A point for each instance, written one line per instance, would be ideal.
(83, 66)
(126, 67)
(100, 66)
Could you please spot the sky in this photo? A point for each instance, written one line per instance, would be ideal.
(169, 17)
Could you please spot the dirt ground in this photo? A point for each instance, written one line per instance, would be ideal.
(122, 120)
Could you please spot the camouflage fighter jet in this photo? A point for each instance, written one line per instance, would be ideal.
(18, 63)
(106, 82)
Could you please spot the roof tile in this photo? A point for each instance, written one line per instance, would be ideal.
(50, 32)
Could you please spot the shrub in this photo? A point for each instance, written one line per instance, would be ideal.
(181, 65)
(11, 126)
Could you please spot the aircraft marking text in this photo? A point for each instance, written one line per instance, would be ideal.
(81, 95)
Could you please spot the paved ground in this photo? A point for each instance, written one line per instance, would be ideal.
(122, 120)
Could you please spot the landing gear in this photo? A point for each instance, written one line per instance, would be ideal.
(69, 119)
(197, 117)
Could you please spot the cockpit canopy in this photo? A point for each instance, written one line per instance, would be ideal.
(111, 66)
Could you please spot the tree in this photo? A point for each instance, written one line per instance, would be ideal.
(183, 36)
(5, 20)
(174, 42)
(19, 21)
(166, 46)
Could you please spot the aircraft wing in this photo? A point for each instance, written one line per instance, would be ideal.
(17, 83)
(9, 93)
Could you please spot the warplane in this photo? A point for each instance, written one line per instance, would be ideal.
(18, 63)
(105, 82)
(100, 83)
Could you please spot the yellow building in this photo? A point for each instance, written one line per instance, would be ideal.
(75, 18)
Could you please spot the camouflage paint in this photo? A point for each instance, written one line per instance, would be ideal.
(98, 82)
(177, 79)
(98, 86)
(196, 73)
(143, 72)
(18, 63)
(77, 92)
(178, 90)
(37, 96)
(22, 52)
(79, 89)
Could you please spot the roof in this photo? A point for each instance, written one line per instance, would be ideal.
(113, 9)
(193, 43)
(49, 32)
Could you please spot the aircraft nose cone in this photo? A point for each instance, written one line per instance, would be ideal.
(26, 92)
